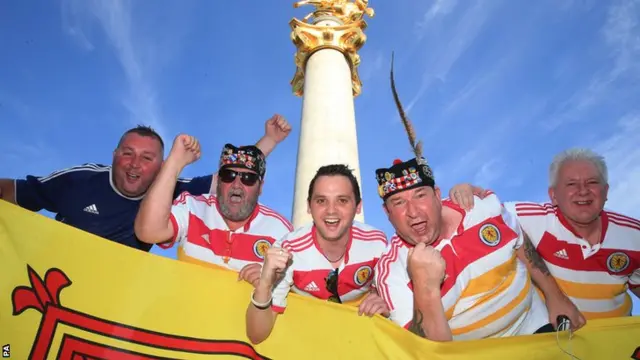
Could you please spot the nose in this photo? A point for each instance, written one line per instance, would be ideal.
(135, 162)
(411, 210)
(583, 189)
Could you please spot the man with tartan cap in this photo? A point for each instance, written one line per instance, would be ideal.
(450, 274)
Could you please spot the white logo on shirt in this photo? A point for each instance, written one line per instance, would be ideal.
(93, 209)
(311, 287)
(562, 254)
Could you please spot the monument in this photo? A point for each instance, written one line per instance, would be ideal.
(327, 42)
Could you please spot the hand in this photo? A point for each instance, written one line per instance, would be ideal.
(275, 264)
(462, 195)
(562, 305)
(426, 266)
(250, 274)
(277, 128)
(373, 304)
(185, 150)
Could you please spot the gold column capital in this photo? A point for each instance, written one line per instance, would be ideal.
(347, 37)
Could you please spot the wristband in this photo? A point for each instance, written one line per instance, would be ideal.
(261, 306)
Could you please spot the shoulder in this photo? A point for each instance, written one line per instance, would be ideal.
(187, 199)
(365, 232)
(274, 218)
(392, 262)
(394, 250)
(623, 222)
(80, 172)
(299, 239)
(530, 209)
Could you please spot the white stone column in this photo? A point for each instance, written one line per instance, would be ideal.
(328, 125)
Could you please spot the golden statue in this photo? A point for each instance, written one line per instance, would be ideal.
(348, 12)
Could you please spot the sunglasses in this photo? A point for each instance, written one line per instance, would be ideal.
(332, 286)
(246, 178)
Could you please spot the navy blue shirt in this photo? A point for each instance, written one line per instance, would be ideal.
(86, 198)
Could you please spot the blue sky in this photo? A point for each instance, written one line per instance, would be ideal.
(494, 88)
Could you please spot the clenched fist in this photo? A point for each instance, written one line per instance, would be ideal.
(426, 266)
(185, 150)
(277, 128)
(275, 264)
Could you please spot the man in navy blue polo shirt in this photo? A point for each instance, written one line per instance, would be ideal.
(104, 200)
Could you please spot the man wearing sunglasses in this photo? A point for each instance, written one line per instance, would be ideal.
(228, 229)
(331, 258)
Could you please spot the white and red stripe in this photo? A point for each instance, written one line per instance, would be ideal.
(487, 290)
(204, 237)
(595, 277)
(306, 275)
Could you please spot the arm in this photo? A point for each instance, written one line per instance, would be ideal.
(8, 190)
(429, 320)
(153, 222)
(276, 129)
(260, 322)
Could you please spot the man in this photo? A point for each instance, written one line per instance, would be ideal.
(330, 259)
(455, 275)
(593, 253)
(228, 229)
(104, 200)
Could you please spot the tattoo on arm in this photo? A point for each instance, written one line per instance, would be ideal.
(534, 258)
(416, 324)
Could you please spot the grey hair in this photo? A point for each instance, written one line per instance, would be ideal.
(577, 154)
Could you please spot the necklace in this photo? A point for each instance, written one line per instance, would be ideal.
(336, 260)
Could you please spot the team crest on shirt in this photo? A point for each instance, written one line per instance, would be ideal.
(362, 275)
(617, 262)
(260, 248)
(489, 234)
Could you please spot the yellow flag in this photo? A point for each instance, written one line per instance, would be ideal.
(66, 294)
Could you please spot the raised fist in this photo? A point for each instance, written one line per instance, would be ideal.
(277, 128)
(185, 150)
(275, 264)
(426, 266)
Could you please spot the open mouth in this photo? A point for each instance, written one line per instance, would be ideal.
(236, 198)
(132, 177)
(583, 202)
(419, 227)
(332, 223)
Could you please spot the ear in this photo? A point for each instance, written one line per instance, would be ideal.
(438, 194)
(384, 207)
(260, 188)
(552, 196)
(308, 207)
(359, 207)
(606, 192)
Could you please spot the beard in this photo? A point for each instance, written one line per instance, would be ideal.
(239, 211)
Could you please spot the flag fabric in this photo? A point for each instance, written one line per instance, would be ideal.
(67, 294)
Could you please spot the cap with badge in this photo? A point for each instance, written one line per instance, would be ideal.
(404, 175)
(248, 157)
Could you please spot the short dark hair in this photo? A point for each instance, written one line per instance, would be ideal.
(143, 130)
(336, 170)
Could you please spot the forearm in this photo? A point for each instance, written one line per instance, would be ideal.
(429, 320)
(266, 145)
(260, 322)
(153, 224)
(538, 269)
(8, 190)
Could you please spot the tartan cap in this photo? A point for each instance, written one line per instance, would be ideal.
(248, 157)
(404, 175)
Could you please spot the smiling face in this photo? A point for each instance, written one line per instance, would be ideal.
(136, 163)
(333, 206)
(416, 214)
(579, 192)
(237, 191)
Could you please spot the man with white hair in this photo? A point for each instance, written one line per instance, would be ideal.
(593, 253)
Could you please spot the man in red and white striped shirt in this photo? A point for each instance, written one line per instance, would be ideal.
(593, 253)
(333, 258)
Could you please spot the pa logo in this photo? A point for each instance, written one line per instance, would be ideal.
(6, 351)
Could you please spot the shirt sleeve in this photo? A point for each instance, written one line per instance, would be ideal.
(511, 220)
(179, 220)
(45, 192)
(283, 287)
(196, 186)
(391, 282)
